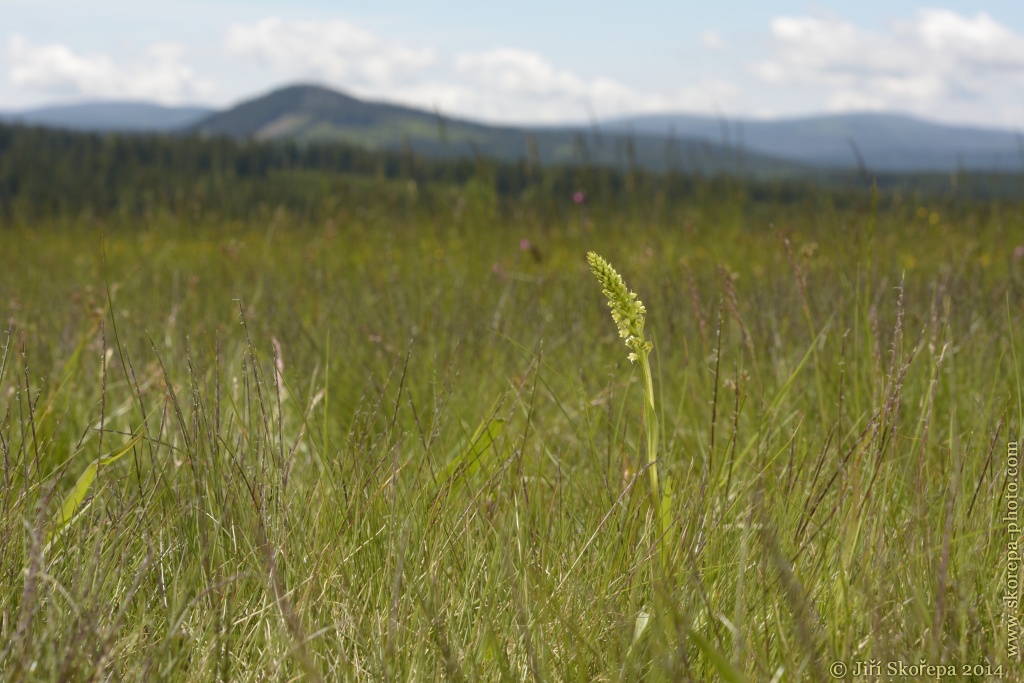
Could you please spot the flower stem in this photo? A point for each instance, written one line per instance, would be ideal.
(650, 423)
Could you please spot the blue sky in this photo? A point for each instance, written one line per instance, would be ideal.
(531, 61)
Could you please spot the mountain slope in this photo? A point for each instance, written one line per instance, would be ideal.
(309, 113)
(880, 143)
(111, 116)
(885, 142)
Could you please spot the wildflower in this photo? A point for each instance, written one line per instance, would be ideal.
(628, 311)
(629, 314)
(527, 245)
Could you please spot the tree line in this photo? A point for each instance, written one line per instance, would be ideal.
(46, 172)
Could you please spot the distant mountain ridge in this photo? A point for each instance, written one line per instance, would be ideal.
(882, 142)
(135, 117)
(875, 143)
(310, 113)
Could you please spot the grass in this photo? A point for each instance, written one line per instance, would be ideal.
(396, 446)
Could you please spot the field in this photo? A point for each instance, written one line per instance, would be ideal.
(401, 440)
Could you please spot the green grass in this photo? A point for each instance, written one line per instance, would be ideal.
(395, 446)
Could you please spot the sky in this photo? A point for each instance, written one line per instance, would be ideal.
(532, 61)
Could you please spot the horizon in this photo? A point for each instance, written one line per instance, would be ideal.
(537, 64)
(58, 105)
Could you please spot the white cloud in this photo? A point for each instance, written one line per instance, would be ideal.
(711, 40)
(966, 66)
(158, 74)
(336, 51)
(500, 85)
(519, 71)
(937, 63)
(511, 85)
(504, 82)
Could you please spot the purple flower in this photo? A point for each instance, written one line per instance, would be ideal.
(578, 197)
(1018, 253)
(527, 245)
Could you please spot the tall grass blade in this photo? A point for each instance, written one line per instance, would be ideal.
(482, 442)
(722, 665)
(74, 499)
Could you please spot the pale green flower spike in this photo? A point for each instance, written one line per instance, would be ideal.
(629, 313)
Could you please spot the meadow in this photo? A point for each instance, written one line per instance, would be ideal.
(400, 439)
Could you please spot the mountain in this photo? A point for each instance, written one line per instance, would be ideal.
(874, 143)
(884, 142)
(136, 117)
(309, 113)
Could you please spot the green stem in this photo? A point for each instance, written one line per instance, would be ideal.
(650, 422)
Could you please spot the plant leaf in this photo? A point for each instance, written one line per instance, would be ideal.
(639, 627)
(725, 669)
(482, 441)
(77, 494)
